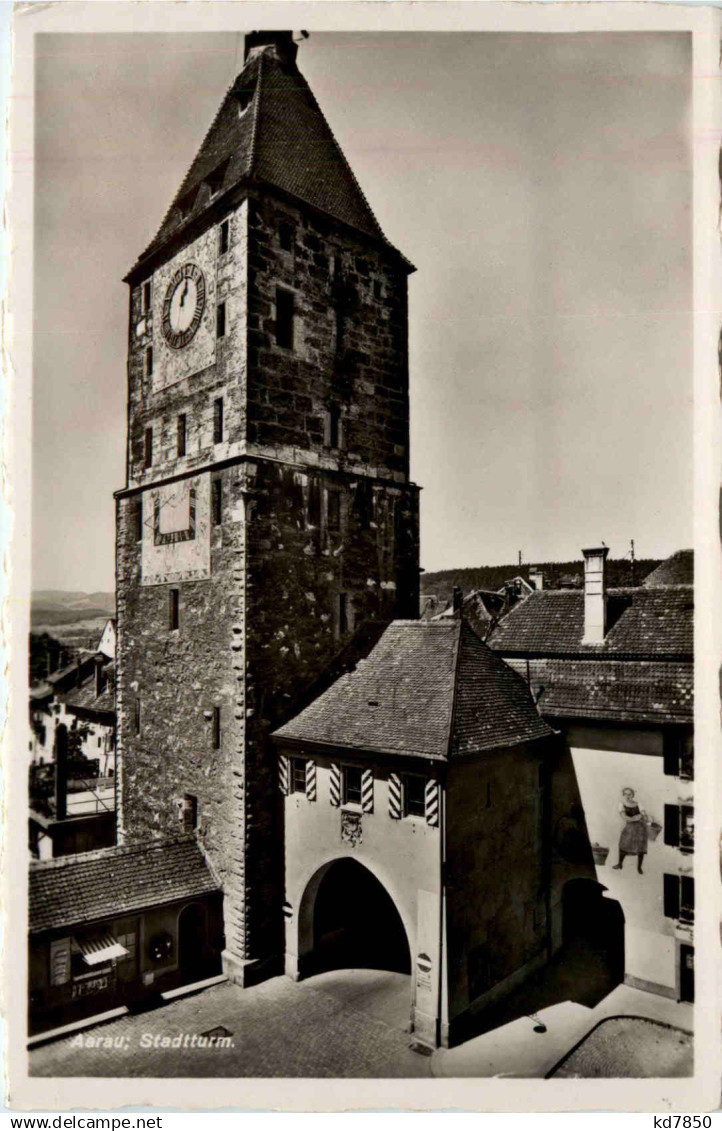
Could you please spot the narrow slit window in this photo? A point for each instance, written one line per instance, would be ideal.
(217, 502)
(218, 420)
(149, 361)
(137, 716)
(173, 608)
(182, 434)
(285, 236)
(284, 318)
(189, 812)
(343, 613)
(137, 513)
(146, 299)
(148, 447)
(216, 728)
(224, 237)
(334, 511)
(221, 320)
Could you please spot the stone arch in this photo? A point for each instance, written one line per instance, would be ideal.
(347, 916)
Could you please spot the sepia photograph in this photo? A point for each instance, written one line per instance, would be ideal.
(358, 739)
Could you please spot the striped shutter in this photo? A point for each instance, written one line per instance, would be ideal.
(394, 796)
(335, 784)
(432, 802)
(367, 791)
(311, 779)
(283, 774)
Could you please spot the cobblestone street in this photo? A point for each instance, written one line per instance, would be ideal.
(630, 1047)
(325, 1026)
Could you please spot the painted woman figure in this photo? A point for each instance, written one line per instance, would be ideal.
(633, 838)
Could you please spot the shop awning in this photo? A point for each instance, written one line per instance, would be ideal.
(100, 948)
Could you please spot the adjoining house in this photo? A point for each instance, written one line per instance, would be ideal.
(72, 773)
(613, 670)
(415, 794)
(117, 926)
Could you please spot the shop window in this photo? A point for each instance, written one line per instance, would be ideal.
(173, 608)
(147, 297)
(224, 237)
(298, 775)
(284, 318)
(679, 898)
(130, 942)
(679, 826)
(148, 447)
(218, 420)
(414, 795)
(351, 782)
(217, 502)
(181, 434)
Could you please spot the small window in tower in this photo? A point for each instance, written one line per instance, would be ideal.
(217, 502)
(343, 613)
(334, 511)
(146, 299)
(137, 716)
(149, 361)
(298, 775)
(221, 320)
(414, 795)
(284, 318)
(148, 448)
(182, 434)
(137, 518)
(188, 811)
(352, 785)
(215, 179)
(333, 428)
(216, 728)
(218, 420)
(185, 204)
(224, 237)
(285, 236)
(173, 608)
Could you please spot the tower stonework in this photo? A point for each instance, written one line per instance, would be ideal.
(268, 514)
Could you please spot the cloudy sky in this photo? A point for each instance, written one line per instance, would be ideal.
(542, 186)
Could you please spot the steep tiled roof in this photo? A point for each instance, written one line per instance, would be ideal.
(85, 699)
(641, 622)
(282, 139)
(623, 691)
(111, 882)
(676, 570)
(430, 689)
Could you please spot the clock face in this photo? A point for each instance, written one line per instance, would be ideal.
(183, 306)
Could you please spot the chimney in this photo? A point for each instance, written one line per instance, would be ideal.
(286, 49)
(536, 577)
(595, 595)
(456, 599)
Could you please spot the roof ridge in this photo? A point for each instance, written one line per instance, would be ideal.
(256, 105)
(110, 850)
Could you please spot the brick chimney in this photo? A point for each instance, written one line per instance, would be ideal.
(536, 577)
(595, 595)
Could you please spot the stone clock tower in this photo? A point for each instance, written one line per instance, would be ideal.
(268, 516)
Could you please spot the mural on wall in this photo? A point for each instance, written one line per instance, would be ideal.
(637, 830)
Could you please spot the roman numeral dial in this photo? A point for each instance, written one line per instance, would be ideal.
(183, 306)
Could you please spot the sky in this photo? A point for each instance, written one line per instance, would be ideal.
(541, 185)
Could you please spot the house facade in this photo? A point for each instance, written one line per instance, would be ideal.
(612, 670)
(415, 809)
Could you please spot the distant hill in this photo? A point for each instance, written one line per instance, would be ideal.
(50, 607)
(556, 575)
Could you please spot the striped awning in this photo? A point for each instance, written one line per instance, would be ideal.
(100, 948)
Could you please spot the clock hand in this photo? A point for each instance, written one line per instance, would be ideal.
(185, 292)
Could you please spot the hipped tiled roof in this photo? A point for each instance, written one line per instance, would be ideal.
(427, 689)
(650, 623)
(281, 139)
(84, 698)
(75, 890)
(615, 690)
(676, 570)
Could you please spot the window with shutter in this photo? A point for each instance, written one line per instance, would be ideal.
(298, 775)
(671, 896)
(367, 790)
(335, 785)
(311, 779)
(283, 774)
(671, 824)
(686, 899)
(395, 796)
